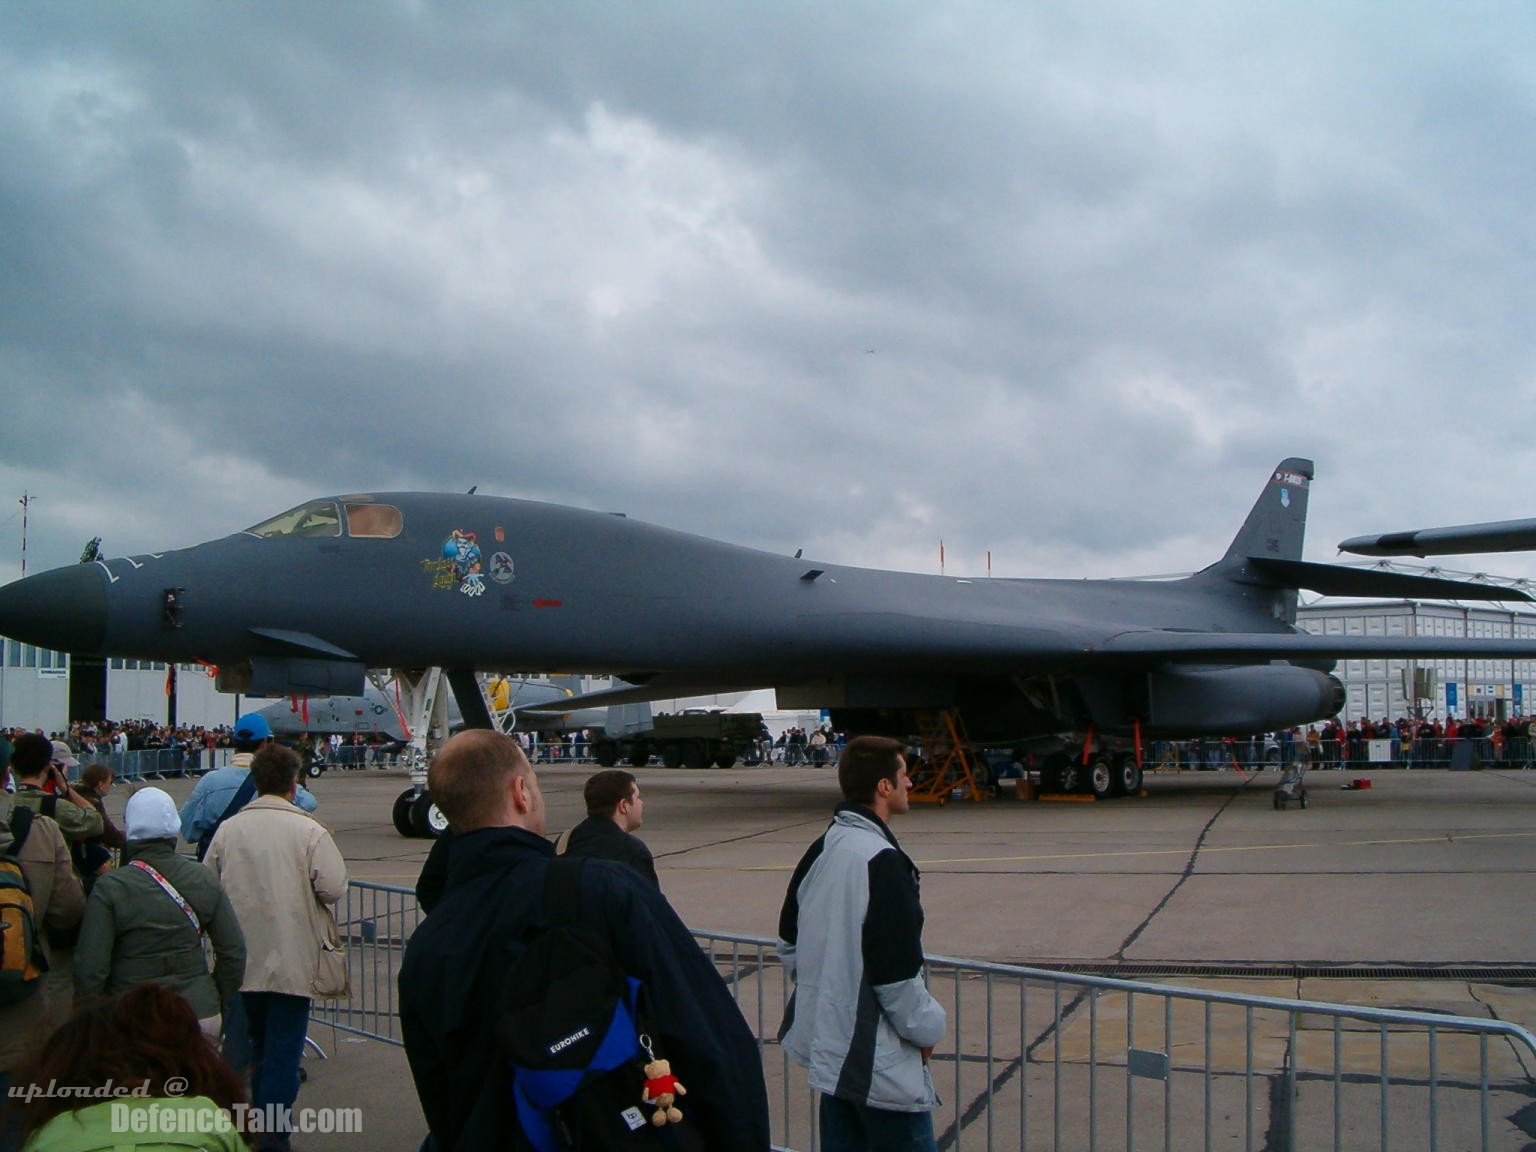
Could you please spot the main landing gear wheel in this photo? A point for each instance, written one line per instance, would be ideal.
(1127, 776)
(427, 818)
(314, 770)
(606, 753)
(401, 813)
(1059, 773)
(1101, 778)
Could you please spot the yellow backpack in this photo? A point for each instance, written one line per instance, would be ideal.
(22, 962)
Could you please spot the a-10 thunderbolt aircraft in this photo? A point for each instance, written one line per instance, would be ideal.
(1079, 670)
(383, 711)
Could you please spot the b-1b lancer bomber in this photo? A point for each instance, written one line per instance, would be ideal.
(306, 602)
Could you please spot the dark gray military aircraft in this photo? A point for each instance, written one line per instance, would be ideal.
(1457, 540)
(307, 601)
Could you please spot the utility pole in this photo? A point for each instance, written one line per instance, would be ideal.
(25, 502)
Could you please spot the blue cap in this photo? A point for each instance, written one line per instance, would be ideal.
(252, 728)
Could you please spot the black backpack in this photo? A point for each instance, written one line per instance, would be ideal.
(572, 1029)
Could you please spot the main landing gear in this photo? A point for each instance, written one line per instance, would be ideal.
(1105, 775)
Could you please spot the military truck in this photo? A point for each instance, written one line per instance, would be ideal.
(695, 738)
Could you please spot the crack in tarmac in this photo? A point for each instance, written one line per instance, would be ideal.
(737, 839)
(1189, 870)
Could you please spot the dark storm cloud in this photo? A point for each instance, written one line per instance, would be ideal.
(1059, 282)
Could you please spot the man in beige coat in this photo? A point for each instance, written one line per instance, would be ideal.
(278, 864)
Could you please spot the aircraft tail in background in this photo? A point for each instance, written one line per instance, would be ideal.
(1266, 554)
(1277, 526)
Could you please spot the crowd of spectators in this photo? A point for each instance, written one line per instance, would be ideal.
(140, 748)
(140, 964)
(797, 746)
(1337, 745)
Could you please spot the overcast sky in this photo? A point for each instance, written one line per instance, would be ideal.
(1062, 282)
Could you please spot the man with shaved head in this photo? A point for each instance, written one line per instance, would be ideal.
(456, 964)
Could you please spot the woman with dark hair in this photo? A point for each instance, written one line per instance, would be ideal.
(145, 1056)
(96, 785)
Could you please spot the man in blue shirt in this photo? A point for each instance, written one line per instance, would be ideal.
(210, 802)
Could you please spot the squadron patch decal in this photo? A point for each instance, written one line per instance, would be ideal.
(459, 564)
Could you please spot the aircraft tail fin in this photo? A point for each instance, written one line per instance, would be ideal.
(1276, 527)
(1274, 531)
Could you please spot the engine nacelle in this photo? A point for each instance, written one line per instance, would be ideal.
(292, 676)
(1239, 701)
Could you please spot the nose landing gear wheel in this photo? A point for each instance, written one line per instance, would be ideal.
(427, 818)
(401, 813)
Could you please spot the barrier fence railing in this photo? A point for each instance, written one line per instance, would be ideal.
(1042, 1059)
(158, 763)
(1210, 754)
(1215, 754)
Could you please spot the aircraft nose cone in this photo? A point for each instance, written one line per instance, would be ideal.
(65, 609)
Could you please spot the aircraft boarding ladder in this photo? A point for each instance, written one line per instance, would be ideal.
(947, 760)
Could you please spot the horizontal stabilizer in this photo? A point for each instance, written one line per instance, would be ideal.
(1460, 540)
(1253, 647)
(1339, 580)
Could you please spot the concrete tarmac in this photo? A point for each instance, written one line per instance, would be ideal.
(1425, 873)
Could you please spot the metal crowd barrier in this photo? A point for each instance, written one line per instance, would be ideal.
(375, 921)
(1225, 755)
(1055, 1060)
(158, 763)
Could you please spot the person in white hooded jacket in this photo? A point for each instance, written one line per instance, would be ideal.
(861, 1020)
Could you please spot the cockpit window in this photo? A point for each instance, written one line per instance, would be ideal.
(378, 520)
(317, 518)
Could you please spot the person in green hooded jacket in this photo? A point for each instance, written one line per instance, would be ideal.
(147, 919)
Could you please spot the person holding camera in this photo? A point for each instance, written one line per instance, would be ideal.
(41, 775)
(42, 784)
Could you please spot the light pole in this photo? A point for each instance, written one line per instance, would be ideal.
(25, 502)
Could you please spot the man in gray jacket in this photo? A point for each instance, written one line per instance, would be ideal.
(861, 1020)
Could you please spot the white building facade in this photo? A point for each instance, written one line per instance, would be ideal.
(1388, 689)
(36, 687)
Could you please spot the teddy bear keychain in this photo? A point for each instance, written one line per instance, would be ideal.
(661, 1088)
